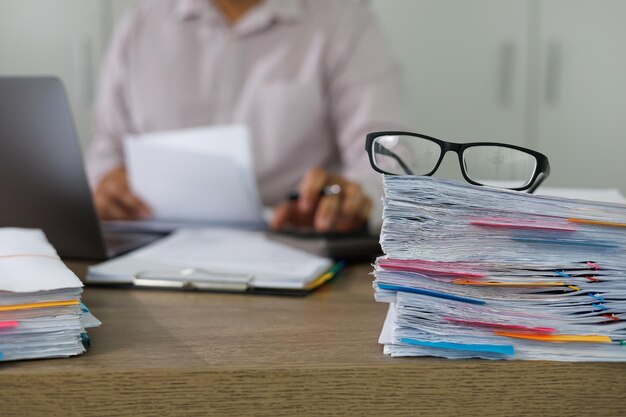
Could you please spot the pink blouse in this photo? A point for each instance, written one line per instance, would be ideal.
(309, 77)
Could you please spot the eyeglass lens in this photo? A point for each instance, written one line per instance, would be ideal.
(493, 165)
(403, 155)
(499, 166)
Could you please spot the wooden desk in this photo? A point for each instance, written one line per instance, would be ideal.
(176, 353)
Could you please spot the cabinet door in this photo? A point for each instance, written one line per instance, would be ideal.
(55, 37)
(464, 64)
(582, 109)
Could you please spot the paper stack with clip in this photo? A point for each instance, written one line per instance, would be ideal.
(479, 272)
(41, 315)
(217, 259)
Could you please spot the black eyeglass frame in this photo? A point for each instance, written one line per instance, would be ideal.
(542, 167)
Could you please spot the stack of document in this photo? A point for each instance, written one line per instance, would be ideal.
(478, 272)
(41, 315)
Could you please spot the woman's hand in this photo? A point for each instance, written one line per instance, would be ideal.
(345, 211)
(115, 201)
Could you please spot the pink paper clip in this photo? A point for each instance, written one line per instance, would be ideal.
(505, 223)
(8, 324)
(428, 267)
(511, 327)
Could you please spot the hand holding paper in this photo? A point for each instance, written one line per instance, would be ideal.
(195, 175)
(115, 201)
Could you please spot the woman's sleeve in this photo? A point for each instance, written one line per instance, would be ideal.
(366, 95)
(111, 118)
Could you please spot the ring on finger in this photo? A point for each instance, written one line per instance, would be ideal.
(332, 190)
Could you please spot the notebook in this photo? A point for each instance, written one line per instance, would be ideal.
(217, 259)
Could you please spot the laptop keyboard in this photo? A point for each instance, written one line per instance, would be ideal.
(118, 243)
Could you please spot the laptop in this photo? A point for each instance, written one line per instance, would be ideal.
(42, 178)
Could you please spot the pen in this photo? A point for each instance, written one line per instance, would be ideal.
(306, 212)
(328, 190)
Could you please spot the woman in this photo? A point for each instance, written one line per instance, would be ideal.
(309, 77)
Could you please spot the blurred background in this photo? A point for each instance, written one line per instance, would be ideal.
(546, 74)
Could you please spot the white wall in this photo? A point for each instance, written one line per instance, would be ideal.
(55, 37)
(475, 70)
(547, 74)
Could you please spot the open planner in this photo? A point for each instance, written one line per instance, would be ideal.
(217, 259)
(41, 315)
(478, 272)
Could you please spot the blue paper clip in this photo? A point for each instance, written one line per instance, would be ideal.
(430, 293)
(596, 296)
(498, 349)
(567, 242)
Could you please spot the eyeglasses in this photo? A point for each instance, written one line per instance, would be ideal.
(482, 163)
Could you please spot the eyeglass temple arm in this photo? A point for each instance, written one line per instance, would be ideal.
(542, 176)
(378, 148)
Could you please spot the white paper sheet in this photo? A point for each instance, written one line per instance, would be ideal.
(201, 175)
(28, 263)
(606, 195)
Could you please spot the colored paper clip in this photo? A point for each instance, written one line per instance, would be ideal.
(8, 324)
(571, 338)
(505, 223)
(39, 305)
(599, 306)
(332, 273)
(85, 340)
(596, 222)
(426, 267)
(508, 284)
(611, 317)
(562, 273)
(593, 265)
(568, 242)
(513, 327)
(596, 296)
(573, 287)
(497, 349)
(592, 279)
(429, 293)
